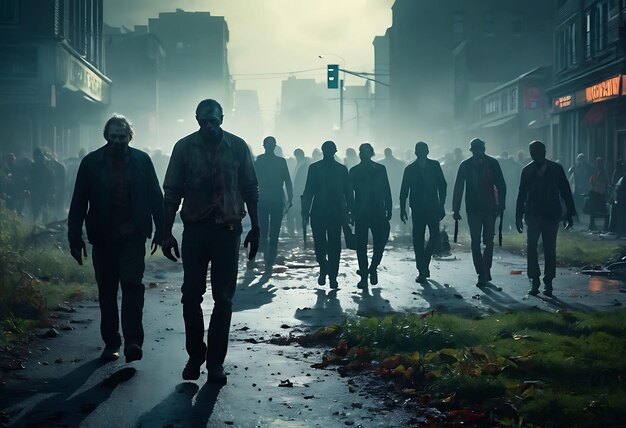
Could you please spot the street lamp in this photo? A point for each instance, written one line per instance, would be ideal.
(341, 87)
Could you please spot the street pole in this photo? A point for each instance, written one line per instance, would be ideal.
(341, 104)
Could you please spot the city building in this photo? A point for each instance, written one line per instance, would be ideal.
(514, 114)
(195, 68)
(443, 54)
(135, 64)
(588, 96)
(53, 91)
(381, 113)
(307, 108)
(246, 120)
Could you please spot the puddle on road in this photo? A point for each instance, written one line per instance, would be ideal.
(599, 284)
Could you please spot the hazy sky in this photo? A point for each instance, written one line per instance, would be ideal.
(269, 36)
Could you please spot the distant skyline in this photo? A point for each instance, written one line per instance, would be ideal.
(275, 36)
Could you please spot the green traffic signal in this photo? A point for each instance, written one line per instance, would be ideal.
(333, 76)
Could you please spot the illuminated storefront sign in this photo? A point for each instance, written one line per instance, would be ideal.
(78, 77)
(610, 88)
(564, 102)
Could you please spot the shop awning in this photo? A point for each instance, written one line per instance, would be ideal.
(493, 123)
(595, 115)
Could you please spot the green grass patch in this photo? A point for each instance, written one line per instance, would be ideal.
(556, 369)
(573, 249)
(36, 276)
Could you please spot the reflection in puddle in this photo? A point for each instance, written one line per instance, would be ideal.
(598, 284)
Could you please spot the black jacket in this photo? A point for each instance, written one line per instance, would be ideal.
(480, 195)
(541, 196)
(427, 188)
(327, 193)
(372, 194)
(91, 201)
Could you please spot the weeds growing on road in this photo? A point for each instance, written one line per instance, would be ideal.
(533, 367)
(573, 249)
(37, 274)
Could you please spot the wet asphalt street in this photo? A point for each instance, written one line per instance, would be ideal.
(64, 384)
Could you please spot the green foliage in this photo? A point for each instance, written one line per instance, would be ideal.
(573, 249)
(558, 369)
(34, 276)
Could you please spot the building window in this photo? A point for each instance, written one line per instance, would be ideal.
(588, 34)
(572, 44)
(517, 25)
(8, 12)
(601, 26)
(490, 26)
(457, 24)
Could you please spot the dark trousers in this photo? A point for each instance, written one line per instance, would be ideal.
(327, 243)
(380, 234)
(482, 224)
(546, 229)
(423, 254)
(120, 262)
(270, 219)
(205, 242)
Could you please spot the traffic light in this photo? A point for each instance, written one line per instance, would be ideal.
(333, 76)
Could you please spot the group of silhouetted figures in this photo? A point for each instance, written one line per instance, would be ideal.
(117, 196)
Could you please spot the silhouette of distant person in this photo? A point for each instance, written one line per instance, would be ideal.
(485, 196)
(41, 187)
(618, 208)
(424, 183)
(579, 175)
(211, 170)
(327, 200)
(273, 174)
(351, 158)
(542, 186)
(117, 195)
(394, 167)
(57, 204)
(299, 180)
(511, 171)
(372, 211)
(598, 189)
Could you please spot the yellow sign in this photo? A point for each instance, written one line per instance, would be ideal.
(608, 89)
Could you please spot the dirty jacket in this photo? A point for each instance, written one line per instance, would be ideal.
(540, 195)
(191, 177)
(426, 187)
(327, 192)
(485, 188)
(372, 193)
(92, 204)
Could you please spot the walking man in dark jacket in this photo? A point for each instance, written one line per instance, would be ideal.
(424, 182)
(211, 170)
(117, 195)
(273, 175)
(373, 208)
(327, 200)
(543, 184)
(485, 198)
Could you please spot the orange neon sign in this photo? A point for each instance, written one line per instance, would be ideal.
(604, 90)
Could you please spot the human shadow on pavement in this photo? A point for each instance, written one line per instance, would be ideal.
(252, 293)
(493, 296)
(61, 410)
(446, 299)
(179, 409)
(372, 304)
(326, 310)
